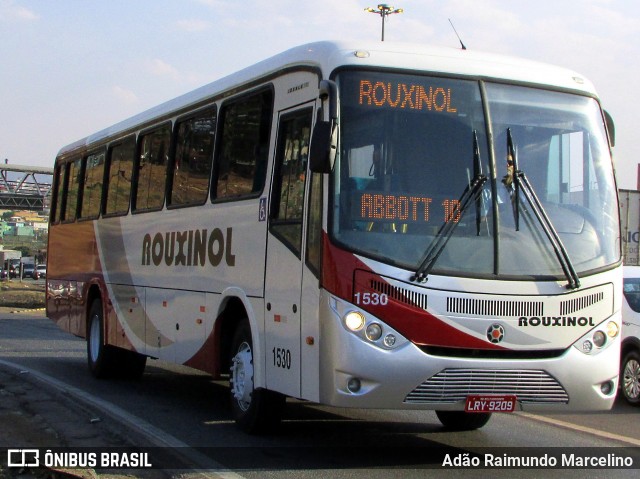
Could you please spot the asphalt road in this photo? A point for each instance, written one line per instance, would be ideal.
(184, 409)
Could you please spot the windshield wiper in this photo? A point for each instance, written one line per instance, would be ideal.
(472, 192)
(520, 182)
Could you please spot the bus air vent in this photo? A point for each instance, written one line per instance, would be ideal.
(454, 385)
(403, 295)
(576, 304)
(494, 307)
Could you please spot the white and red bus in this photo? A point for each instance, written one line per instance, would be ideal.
(366, 226)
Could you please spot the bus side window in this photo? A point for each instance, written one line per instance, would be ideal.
(314, 224)
(119, 173)
(92, 185)
(243, 146)
(58, 190)
(192, 160)
(153, 156)
(72, 190)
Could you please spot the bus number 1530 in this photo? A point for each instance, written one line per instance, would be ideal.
(373, 299)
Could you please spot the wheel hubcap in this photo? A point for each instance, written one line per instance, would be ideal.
(242, 376)
(632, 379)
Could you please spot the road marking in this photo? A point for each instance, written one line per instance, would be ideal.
(576, 427)
(210, 469)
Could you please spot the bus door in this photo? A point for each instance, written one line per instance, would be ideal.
(283, 282)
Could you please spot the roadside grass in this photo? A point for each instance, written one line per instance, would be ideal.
(24, 294)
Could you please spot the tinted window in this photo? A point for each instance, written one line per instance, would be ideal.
(73, 187)
(92, 186)
(193, 158)
(244, 146)
(152, 168)
(58, 190)
(632, 293)
(119, 176)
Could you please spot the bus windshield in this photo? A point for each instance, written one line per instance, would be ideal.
(411, 148)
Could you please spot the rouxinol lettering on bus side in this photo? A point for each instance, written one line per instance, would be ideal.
(188, 248)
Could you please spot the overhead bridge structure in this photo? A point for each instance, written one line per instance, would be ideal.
(25, 187)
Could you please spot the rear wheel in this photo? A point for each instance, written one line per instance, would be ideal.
(107, 361)
(100, 357)
(463, 421)
(255, 410)
(631, 377)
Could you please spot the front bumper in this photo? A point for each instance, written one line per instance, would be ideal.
(409, 378)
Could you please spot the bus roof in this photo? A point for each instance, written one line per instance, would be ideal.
(326, 56)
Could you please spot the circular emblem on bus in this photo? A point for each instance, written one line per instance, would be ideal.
(495, 333)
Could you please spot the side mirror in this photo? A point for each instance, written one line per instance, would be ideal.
(324, 140)
(611, 128)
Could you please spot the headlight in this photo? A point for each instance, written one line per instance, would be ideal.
(374, 332)
(354, 320)
(366, 326)
(599, 338)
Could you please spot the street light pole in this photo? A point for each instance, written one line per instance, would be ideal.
(384, 11)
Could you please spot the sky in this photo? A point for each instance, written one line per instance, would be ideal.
(69, 68)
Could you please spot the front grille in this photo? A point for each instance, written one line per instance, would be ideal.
(491, 353)
(453, 385)
(494, 307)
(576, 304)
(403, 295)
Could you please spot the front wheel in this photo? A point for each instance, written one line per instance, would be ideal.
(463, 421)
(255, 410)
(631, 377)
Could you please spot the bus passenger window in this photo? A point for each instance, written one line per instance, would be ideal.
(58, 189)
(120, 171)
(243, 149)
(73, 185)
(92, 186)
(192, 164)
(152, 168)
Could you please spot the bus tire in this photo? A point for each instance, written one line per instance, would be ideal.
(255, 410)
(630, 377)
(130, 365)
(463, 421)
(101, 358)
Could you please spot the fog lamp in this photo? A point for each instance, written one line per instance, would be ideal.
(606, 388)
(354, 320)
(354, 385)
(587, 346)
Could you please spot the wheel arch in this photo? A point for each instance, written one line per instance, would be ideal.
(628, 345)
(94, 291)
(234, 307)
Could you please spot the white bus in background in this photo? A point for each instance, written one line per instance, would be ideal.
(630, 357)
(358, 225)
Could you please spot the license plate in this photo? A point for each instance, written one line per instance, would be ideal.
(490, 404)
